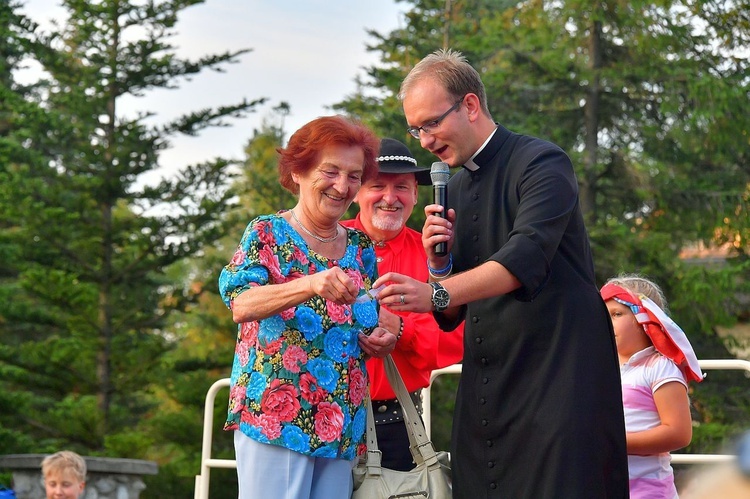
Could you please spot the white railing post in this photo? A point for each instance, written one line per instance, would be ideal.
(202, 480)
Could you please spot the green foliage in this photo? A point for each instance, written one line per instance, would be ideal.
(111, 324)
(710, 436)
(87, 245)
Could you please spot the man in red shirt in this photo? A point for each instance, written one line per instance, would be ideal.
(386, 203)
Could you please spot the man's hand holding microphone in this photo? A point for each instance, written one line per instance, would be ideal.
(404, 293)
(438, 228)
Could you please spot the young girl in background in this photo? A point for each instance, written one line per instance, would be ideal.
(656, 363)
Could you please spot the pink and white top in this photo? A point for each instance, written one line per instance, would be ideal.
(651, 476)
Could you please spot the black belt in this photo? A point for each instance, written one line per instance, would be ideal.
(390, 411)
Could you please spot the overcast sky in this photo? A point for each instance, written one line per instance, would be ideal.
(304, 52)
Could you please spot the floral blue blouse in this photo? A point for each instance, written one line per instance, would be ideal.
(298, 377)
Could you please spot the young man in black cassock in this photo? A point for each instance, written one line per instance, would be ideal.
(539, 406)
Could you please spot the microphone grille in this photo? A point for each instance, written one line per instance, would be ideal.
(440, 173)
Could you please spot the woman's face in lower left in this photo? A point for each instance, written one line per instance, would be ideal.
(331, 185)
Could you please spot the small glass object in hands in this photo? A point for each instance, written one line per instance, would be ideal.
(370, 294)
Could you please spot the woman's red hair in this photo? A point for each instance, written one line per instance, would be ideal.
(301, 154)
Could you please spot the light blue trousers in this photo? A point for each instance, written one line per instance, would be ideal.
(266, 470)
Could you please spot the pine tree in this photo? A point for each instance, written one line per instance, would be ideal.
(85, 336)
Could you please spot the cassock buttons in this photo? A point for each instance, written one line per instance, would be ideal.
(382, 408)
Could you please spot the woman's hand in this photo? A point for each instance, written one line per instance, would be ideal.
(334, 285)
(260, 302)
(379, 343)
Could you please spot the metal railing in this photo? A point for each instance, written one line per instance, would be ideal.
(207, 462)
(719, 364)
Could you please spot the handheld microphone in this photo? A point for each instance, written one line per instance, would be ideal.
(440, 173)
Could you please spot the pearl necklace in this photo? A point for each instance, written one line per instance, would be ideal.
(314, 235)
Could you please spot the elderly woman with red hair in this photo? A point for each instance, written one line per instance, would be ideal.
(299, 382)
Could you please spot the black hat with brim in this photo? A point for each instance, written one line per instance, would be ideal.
(395, 157)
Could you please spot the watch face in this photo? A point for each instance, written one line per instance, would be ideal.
(440, 297)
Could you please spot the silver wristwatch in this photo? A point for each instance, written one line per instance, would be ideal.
(440, 297)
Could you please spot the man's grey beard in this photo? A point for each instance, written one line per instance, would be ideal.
(387, 223)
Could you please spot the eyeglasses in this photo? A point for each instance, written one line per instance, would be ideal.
(431, 126)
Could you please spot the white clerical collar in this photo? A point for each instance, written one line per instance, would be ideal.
(470, 165)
